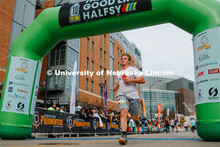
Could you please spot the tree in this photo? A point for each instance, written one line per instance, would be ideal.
(164, 112)
(171, 114)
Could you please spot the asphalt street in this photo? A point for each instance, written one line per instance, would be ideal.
(181, 139)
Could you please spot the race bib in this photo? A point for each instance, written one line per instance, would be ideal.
(121, 100)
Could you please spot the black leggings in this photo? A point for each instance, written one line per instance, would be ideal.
(192, 128)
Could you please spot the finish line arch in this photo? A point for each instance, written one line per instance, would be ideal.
(198, 17)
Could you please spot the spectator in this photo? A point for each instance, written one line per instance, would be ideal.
(192, 121)
(53, 107)
(172, 124)
(116, 118)
(83, 114)
(1, 87)
(102, 114)
(185, 125)
(156, 122)
(62, 109)
(57, 108)
(95, 114)
(167, 124)
(111, 116)
(89, 113)
(78, 108)
(131, 122)
(176, 122)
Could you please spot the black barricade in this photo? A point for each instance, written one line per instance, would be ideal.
(46, 121)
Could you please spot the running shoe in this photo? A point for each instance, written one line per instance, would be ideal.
(123, 140)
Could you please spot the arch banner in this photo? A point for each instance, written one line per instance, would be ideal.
(90, 18)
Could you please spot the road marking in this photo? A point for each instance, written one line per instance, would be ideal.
(59, 144)
(114, 139)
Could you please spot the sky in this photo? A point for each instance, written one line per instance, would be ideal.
(164, 47)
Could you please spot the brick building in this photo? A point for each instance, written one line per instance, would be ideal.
(97, 53)
(15, 16)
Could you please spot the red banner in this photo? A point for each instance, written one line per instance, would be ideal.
(159, 111)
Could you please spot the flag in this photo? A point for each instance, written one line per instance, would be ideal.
(106, 99)
(168, 111)
(144, 108)
(159, 111)
(73, 95)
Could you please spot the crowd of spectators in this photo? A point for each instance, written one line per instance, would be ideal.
(86, 113)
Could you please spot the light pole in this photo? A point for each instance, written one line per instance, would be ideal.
(150, 99)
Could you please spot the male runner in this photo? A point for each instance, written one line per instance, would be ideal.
(127, 96)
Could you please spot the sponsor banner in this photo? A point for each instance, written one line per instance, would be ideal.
(53, 101)
(207, 63)
(19, 85)
(97, 9)
(36, 86)
(46, 121)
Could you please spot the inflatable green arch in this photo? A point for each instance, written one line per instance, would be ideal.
(93, 17)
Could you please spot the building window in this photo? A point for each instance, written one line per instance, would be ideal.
(91, 86)
(104, 55)
(100, 37)
(100, 53)
(87, 43)
(92, 47)
(57, 56)
(111, 48)
(100, 71)
(105, 39)
(100, 90)
(92, 65)
(72, 56)
(87, 63)
(191, 86)
(104, 73)
(111, 64)
(62, 55)
(56, 82)
(118, 65)
(125, 46)
(111, 94)
(87, 81)
(118, 52)
(52, 58)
